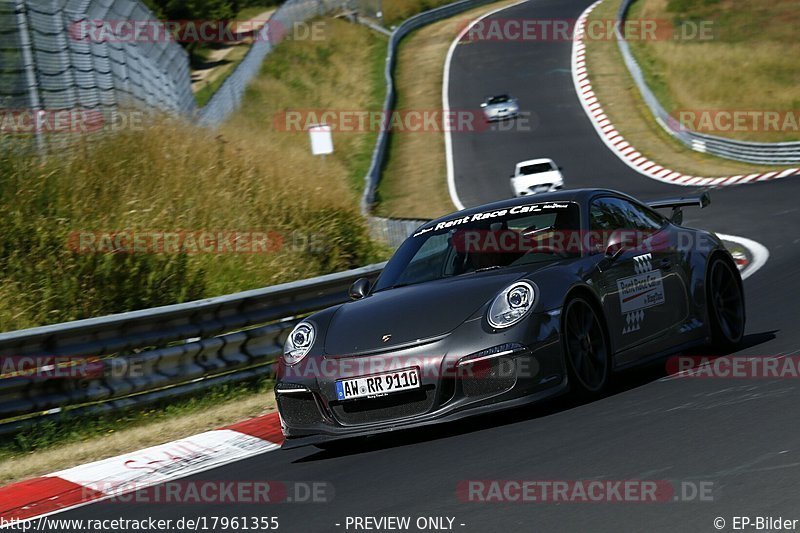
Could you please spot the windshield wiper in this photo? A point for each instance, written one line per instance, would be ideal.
(528, 233)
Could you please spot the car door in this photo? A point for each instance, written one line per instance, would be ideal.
(645, 296)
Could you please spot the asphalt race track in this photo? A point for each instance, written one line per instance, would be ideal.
(742, 436)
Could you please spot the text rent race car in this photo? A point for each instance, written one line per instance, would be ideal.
(504, 304)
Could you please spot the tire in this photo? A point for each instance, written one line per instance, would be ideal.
(725, 304)
(586, 348)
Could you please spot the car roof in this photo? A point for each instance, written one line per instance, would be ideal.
(535, 161)
(580, 196)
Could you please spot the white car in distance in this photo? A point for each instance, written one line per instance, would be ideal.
(536, 176)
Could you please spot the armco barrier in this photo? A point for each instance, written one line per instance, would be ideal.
(783, 153)
(153, 354)
(379, 154)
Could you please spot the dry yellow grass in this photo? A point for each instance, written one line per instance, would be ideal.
(414, 182)
(336, 73)
(247, 175)
(43, 462)
(749, 62)
(395, 11)
(173, 176)
(624, 106)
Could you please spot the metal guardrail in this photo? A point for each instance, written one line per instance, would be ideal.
(782, 153)
(154, 354)
(381, 145)
(159, 353)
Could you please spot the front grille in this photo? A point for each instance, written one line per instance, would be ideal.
(392, 406)
(488, 376)
(299, 409)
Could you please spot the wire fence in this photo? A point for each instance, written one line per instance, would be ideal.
(54, 61)
(228, 97)
(92, 56)
(393, 231)
(778, 153)
(175, 350)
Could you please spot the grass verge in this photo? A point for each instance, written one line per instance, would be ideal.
(249, 175)
(254, 12)
(172, 177)
(61, 444)
(396, 11)
(626, 109)
(744, 59)
(414, 181)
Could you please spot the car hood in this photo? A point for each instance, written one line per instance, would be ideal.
(411, 313)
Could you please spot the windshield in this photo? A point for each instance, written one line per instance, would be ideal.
(520, 235)
(538, 168)
(502, 99)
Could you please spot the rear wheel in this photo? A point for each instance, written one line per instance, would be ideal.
(585, 347)
(725, 305)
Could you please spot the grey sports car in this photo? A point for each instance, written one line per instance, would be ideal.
(500, 107)
(505, 304)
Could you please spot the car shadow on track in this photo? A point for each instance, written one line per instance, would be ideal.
(623, 381)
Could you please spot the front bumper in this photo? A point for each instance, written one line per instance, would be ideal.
(501, 115)
(521, 190)
(457, 377)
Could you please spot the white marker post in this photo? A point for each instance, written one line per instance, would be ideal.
(321, 139)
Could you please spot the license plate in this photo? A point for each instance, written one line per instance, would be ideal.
(377, 385)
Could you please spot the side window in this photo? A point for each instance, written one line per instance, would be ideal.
(645, 218)
(609, 214)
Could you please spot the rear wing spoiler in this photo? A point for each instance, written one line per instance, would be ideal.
(701, 201)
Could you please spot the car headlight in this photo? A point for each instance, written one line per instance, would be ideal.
(299, 343)
(511, 305)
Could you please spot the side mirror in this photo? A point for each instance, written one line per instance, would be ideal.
(359, 289)
(484, 104)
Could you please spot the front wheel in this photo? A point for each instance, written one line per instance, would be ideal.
(585, 347)
(725, 305)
